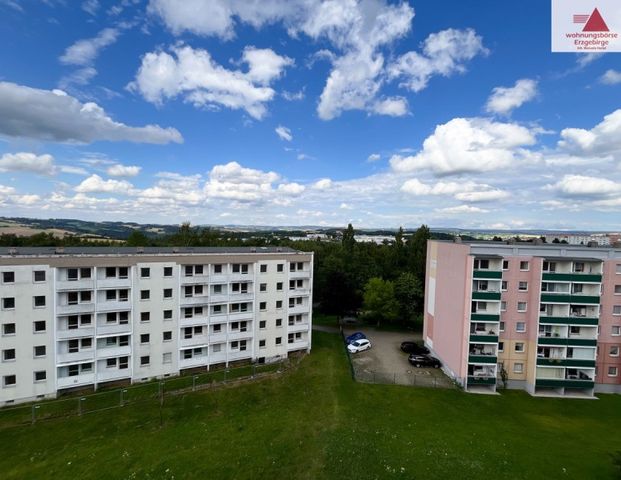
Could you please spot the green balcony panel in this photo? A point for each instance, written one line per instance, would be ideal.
(481, 359)
(486, 296)
(485, 317)
(567, 298)
(481, 381)
(569, 321)
(572, 342)
(556, 383)
(484, 338)
(491, 274)
(572, 277)
(567, 362)
(585, 299)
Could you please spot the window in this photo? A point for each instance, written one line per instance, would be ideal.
(8, 303)
(576, 288)
(504, 285)
(39, 326)
(144, 338)
(616, 330)
(521, 306)
(278, 340)
(278, 304)
(40, 376)
(168, 314)
(110, 295)
(123, 362)
(501, 346)
(216, 348)
(520, 327)
(279, 287)
(519, 347)
(281, 268)
(145, 294)
(145, 272)
(524, 266)
(111, 363)
(505, 264)
(263, 306)
(167, 336)
(523, 286)
(262, 324)
(168, 271)
(123, 318)
(168, 293)
(616, 310)
(263, 287)
(481, 264)
(167, 357)
(8, 329)
(39, 276)
(9, 380)
(8, 355)
(144, 360)
(518, 368)
(614, 351)
(578, 267)
(123, 272)
(261, 343)
(145, 316)
(217, 268)
(263, 268)
(503, 306)
(279, 322)
(617, 289)
(8, 277)
(613, 371)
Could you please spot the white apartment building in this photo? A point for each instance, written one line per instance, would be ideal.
(80, 317)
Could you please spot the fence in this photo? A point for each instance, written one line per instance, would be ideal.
(134, 394)
(396, 378)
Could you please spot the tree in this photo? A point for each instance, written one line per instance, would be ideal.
(417, 252)
(349, 241)
(409, 296)
(379, 300)
(137, 239)
(496, 239)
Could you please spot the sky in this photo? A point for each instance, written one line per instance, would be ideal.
(302, 112)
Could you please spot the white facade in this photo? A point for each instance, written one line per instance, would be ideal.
(78, 319)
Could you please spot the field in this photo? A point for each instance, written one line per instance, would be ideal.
(315, 422)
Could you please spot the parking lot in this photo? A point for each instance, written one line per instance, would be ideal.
(386, 363)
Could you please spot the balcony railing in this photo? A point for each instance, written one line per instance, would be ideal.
(75, 333)
(560, 383)
(490, 274)
(570, 342)
(113, 351)
(570, 320)
(565, 362)
(75, 357)
(114, 283)
(572, 277)
(108, 374)
(474, 380)
(75, 308)
(483, 338)
(198, 300)
(567, 298)
(75, 381)
(477, 358)
(485, 317)
(113, 329)
(486, 295)
(81, 284)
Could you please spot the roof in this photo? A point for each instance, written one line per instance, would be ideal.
(69, 251)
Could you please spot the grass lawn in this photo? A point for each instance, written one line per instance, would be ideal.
(315, 422)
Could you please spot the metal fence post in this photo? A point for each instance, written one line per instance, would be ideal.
(225, 372)
(194, 383)
(254, 370)
(80, 400)
(34, 413)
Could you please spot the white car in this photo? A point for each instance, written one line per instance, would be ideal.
(359, 346)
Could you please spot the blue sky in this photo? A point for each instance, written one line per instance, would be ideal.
(298, 112)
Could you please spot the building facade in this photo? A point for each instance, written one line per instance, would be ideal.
(544, 318)
(80, 317)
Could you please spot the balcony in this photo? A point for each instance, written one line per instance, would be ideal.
(298, 327)
(299, 292)
(198, 300)
(75, 357)
(195, 280)
(475, 380)
(560, 383)
(565, 362)
(297, 309)
(239, 316)
(75, 308)
(486, 295)
(219, 298)
(485, 317)
(217, 338)
(483, 338)
(572, 277)
(113, 329)
(570, 320)
(239, 335)
(240, 355)
(114, 351)
(570, 342)
(299, 274)
(219, 357)
(105, 374)
(241, 277)
(190, 322)
(566, 298)
(297, 345)
(110, 283)
(487, 274)
(193, 362)
(114, 305)
(473, 358)
(194, 342)
(75, 381)
(75, 333)
(81, 284)
(241, 297)
(219, 278)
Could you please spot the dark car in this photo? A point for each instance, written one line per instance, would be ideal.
(354, 336)
(413, 347)
(424, 361)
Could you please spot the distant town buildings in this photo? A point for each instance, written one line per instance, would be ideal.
(602, 239)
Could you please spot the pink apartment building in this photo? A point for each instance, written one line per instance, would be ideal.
(546, 317)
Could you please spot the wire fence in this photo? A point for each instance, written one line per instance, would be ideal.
(401, 378)
(76, 405)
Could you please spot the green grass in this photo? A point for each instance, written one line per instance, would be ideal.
(314, 422)
(325, 320)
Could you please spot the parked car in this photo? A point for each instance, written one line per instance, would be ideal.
(359, 345)
(354, 336)
(413, 347)
(424, 361)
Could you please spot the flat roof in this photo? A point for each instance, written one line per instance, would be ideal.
(78, 251)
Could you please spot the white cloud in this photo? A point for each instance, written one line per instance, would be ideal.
(291, 188)
(193, 74)
(461, 209)
(469, 145)
(234, 182)
(585, 59)
(293, 96)
(504, 100)
(585, 186)
(482, 196)
(52, 115)
(27, 162)
(443, 53)
(466, 191)
(81, 76)
(345, 206)
(393, 107)
(322, 184)
(72, 170)
(283, 133)
(91, 6)
(96, 184)
(603, 139)
(611, 77)
(119, 170)
(374, 157)
(84, 52)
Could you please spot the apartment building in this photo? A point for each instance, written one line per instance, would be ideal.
(545, 317)
(82, 317)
